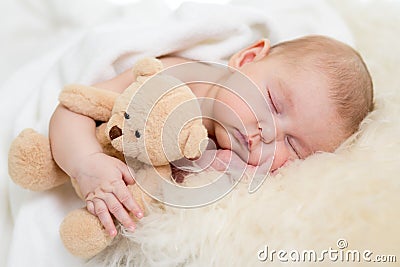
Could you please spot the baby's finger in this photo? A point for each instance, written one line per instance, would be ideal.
(232, 160)
(90, 207)
(206, 160)
(126, 174)
(220, 163)
(125, 197)
(104, 216)
(221, 160)
(119, 212)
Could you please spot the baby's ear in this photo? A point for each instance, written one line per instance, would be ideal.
(254, 52)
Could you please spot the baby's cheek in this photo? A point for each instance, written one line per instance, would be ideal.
(224, 155)
(282, 156)
(222, 138)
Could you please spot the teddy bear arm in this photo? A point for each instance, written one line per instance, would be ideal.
(89, 101)
(195, 141)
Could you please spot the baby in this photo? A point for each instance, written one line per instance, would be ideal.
(318, 91)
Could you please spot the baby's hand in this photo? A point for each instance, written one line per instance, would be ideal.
(225, 160)
(221, 160)
(102, 180)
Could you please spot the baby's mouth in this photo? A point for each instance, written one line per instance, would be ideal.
(243, 139)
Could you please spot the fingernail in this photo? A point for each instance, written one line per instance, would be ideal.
(131, 228)
(139, 215)
(113, 233)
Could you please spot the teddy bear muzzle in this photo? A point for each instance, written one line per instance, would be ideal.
(114, 132)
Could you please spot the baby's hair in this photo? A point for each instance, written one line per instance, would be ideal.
(350, 83)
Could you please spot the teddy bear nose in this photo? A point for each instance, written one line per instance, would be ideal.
(115, 132)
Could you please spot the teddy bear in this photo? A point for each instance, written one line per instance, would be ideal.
(152, 123)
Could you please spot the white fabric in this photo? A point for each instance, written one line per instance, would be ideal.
(87, 54)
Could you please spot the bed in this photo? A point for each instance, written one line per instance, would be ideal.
(347, 200)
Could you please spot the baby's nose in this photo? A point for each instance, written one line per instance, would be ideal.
(253, 140)
(268, 134)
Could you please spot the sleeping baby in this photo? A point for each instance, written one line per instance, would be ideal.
(317, 92)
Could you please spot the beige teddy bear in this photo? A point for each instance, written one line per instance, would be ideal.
(154, 121)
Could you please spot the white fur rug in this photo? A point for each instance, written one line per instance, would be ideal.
(353, 194)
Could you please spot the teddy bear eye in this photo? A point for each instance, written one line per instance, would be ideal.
(126, 116)
(137, 134)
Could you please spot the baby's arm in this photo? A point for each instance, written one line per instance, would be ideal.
(77, 151)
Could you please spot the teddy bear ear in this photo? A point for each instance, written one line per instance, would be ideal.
(147, 66)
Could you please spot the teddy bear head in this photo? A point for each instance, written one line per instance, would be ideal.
(157, 119)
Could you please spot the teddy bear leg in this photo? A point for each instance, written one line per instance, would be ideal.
(31, 164)
(83, 234)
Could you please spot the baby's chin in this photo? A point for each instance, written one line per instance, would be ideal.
(277, 170)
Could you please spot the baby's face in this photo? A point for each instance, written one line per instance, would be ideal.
(299, 109)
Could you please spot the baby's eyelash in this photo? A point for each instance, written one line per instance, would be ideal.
(272, 102)
(291, 145)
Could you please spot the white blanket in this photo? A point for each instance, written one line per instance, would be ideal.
(86, 54)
